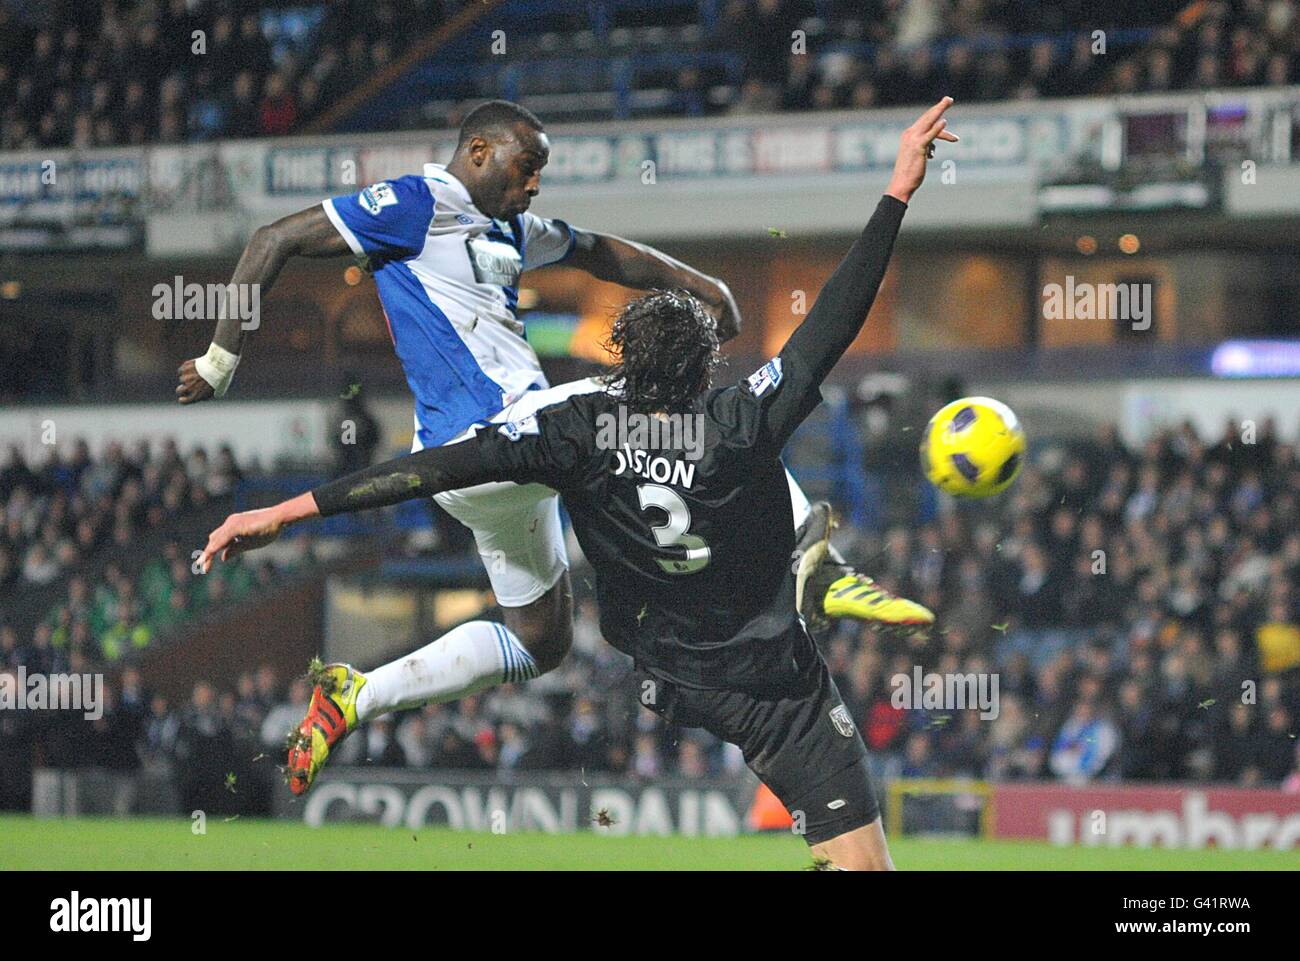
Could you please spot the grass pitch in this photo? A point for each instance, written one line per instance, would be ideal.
(169, 844)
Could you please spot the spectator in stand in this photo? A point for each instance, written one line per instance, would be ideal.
(690, 99)
(919, 760)
(1276, 746)
(1292, 783)
(241, 108)
(127, 76)
(354, 434)
(278, 110)
(205, 750)
(1084, 745)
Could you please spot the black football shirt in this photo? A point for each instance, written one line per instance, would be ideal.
(691, 546)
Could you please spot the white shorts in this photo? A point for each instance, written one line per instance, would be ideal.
(516, 526)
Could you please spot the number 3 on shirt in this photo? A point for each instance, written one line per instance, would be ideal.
(673, 534)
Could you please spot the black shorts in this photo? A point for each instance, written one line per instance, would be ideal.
(800, 740)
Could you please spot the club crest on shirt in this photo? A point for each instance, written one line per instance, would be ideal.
(842, 721)
(765, 378)
(377, 196)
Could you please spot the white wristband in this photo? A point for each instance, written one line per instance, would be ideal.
(217, 367)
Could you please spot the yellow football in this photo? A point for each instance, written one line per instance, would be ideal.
(973, 447)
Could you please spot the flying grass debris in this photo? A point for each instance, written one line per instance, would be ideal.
(603, 818)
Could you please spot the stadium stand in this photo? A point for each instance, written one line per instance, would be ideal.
(121, 73)
(74, 528)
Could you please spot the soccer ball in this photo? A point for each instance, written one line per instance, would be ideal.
(973, 447)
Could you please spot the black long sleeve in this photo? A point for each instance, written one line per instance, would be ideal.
(549, 447)
(421, 474)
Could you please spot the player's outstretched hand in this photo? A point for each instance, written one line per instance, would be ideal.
(916, 146)
(242, 532)
(192, 387)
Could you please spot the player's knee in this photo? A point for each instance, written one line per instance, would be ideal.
(553, 652)
(546, 637)
(860, 860)
(872, 861)
(549, 649)
(863, 849)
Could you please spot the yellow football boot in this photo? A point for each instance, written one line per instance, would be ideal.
(331, 717)
(826, 588)
(859, 597)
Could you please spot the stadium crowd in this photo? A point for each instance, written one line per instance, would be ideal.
(188, 70)
(124, 72)
(76, 525)
(986, 50)
(1137, 606)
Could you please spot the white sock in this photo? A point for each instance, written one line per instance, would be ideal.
(463, 661)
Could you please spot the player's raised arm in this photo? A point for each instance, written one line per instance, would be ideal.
(625, 262)
(307, 233)
(841, 309)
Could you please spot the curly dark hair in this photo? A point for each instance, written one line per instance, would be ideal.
(665, 349)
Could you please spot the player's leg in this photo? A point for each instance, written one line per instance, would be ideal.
(826, 587)
(545, 627)
(802, 743)
(861, 849)
(519, 536)
(837, 814)
(520, 539)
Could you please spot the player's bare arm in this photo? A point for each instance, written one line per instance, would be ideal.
(307, 233)
(626, 262)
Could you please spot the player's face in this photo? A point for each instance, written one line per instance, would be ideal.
(514, 174)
